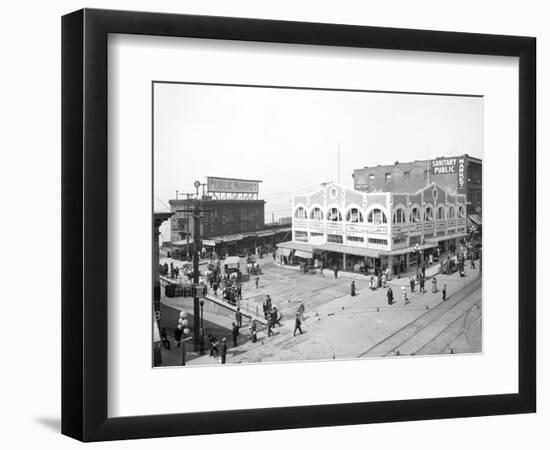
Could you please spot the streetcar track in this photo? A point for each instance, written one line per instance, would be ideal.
(464, 293)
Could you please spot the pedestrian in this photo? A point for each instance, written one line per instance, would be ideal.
(431, 259)
(239, 291)
(215, 288)
(269, 325)
(472, 263)
(390, 296)
(164, 338)
(404, 293)
(213, 345)
(235, 333)
(353, 288)
(384, 280)
(275, 317)
(321, 268)
(444, 292)
(434, 285)
(178, 334)
(422, 281)
(224, 350)
(257, 282)
(336, 271)
(301, 310)
(239, 317)
(253, 331)
(269, 303)
(264, 307)
(412, 283)
(297, 325)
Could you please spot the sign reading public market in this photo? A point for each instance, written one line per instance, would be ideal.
(232, 185)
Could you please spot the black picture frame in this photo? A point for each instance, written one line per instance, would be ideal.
(84, 224)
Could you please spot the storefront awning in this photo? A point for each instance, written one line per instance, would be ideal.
(402, 251)
(475, 219)
(348, 249)
(296, 246)
(302, 254)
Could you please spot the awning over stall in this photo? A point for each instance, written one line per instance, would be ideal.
(302, 254)
(348, 249)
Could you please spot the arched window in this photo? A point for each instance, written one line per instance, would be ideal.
(377, 216)
(316, 214)
(429, 213)
(415, 214)
(451, 213)
(441, 213)
(354, 216)
(399, 216)
(334, 215)
(461, 212)
(300, 213)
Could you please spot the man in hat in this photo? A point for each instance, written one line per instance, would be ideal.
(235, 333)
(390, 296)
(297, 325)
(224, 350)
(301, 310)
(239, 317)
(353, 288)
(404, 293)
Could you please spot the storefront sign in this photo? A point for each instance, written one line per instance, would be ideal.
(317, 226)
(413, 228)
(451, 223)
(377, 230)
(208, 243)
(232, 185)
(444, 165)
(335, 227)
(461, 176)
(300, 224)
(355, 228)
(461, 223)
(429, 226)
(441, 225)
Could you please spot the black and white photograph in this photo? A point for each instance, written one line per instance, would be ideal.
(308, 224)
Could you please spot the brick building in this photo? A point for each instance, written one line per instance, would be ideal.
(456, 174)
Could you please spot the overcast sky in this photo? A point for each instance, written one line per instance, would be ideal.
(289, 138)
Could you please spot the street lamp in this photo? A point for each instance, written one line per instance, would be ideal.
(202, 328)
(417, 251)
(183, 325)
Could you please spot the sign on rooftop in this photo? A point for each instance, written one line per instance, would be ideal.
(232, 185)
(444, 165)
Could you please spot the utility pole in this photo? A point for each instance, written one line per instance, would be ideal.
(195, 213)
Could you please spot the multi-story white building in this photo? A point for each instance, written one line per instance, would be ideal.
(383, 229)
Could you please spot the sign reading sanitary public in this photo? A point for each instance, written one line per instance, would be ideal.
(444, 165)
(232, 185)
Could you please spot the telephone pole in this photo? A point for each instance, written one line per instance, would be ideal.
(195, 213)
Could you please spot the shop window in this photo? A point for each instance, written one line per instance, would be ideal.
(441, 213)
(415, 214)
(300, 213)
(334, 215)
(300, 236)
(354, 216)
(399, 216)
(335, 238)
(429, 213)
(377, 216)
(355, 239)
(316, 214)
(397, 241)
